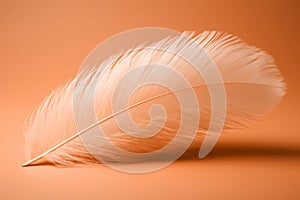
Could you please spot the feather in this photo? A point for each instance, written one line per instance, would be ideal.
(119, 87)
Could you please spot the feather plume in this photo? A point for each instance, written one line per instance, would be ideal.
(252, 82)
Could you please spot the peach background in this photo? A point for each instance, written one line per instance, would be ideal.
(42, 44)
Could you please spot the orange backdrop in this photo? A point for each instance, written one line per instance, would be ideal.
(43, 43)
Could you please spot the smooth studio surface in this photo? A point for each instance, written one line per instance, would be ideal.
(43, 45)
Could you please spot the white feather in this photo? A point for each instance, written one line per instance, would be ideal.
(253, 86)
